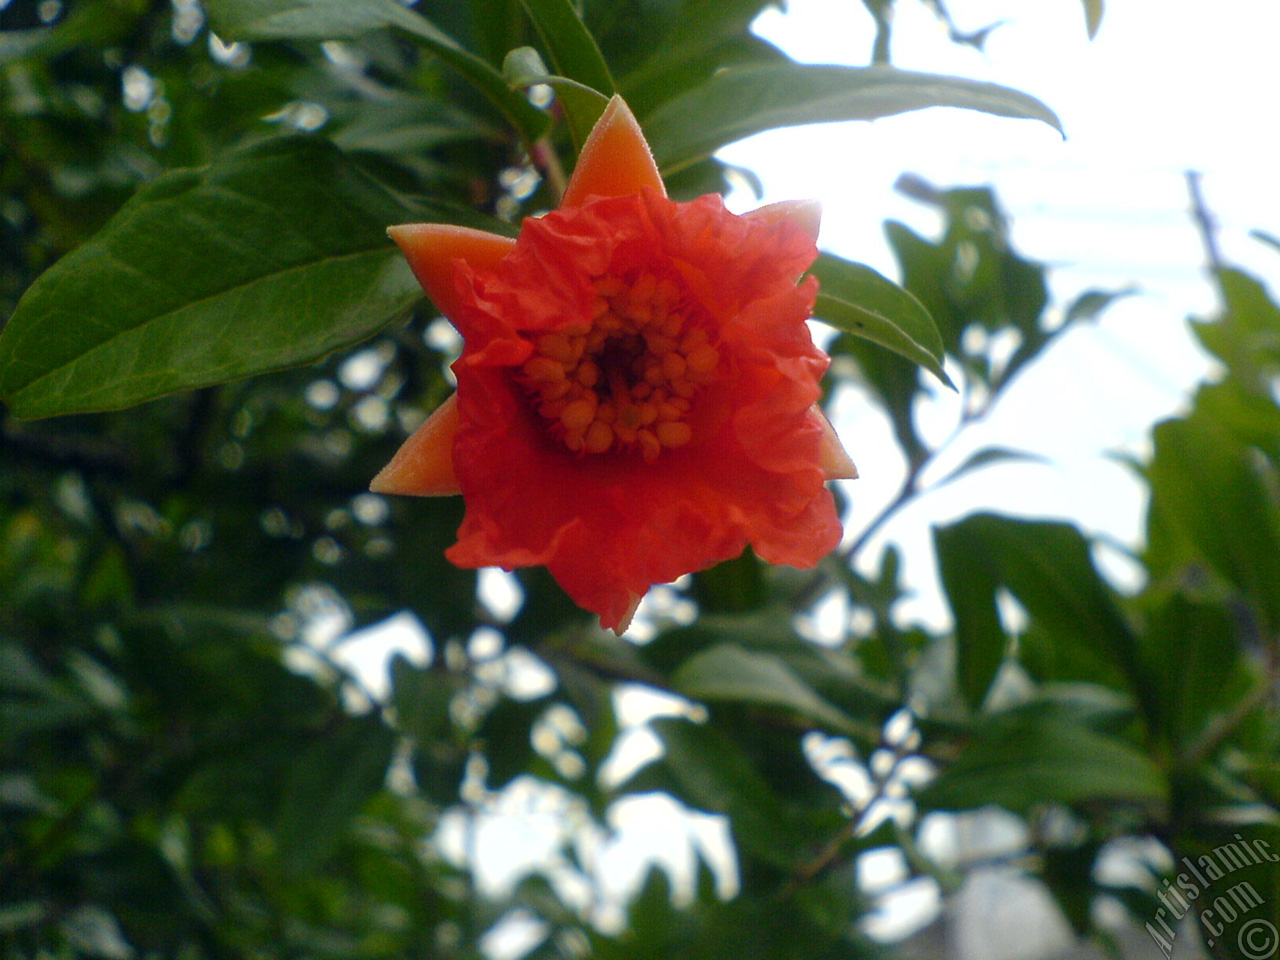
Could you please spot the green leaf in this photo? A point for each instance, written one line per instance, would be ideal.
(306, 19)
(1213, 500)
(523, 67)
(1247, 335)
(345, 19)
(1043, 753)
(971, 586)
(572, 48)
(328, 784)
(1076, 631)
(702, 37)
(996, 288)
(858, 300)
(740, 101)
(1191, 652)
(711, 772)
(734, 586)
(272, 257)
(96, 25)
(422, 698)
(728, 672)
(18, 44)
(1089, 304)
(507, 736)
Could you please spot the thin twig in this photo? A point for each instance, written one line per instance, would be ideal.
(546, 159)
(1225, 724)
(1204, 221)
(830, 852)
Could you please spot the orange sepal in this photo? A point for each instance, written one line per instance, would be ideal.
(431, 249)
(615, 161)
(834, 460)
(805, 214)
(423, 466)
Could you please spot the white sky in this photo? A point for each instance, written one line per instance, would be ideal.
(1167, 86)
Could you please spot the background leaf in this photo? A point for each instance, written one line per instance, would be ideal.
(272, 257)
(1041, 753)
(1076, 632)
(344, 19)
(740, 101)
(326, 787)
(859, 301)
(572, 49)
(730, 673)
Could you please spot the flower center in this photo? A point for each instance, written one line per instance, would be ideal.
(626, 379)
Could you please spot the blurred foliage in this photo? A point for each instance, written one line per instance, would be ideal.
(191, 767)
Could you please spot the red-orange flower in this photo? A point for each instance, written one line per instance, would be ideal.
(636, 396)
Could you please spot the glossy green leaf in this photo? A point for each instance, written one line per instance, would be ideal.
(858, 300)
(572, 49)
(702, 37)
(1042, 753)
(309, 19)
(344, 19)
(274, 256)
(730, 673)
(740, 101)
(582, 105)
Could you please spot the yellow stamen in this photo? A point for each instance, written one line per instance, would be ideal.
(702, 359)
(598, 438)
(543, 369)
(650, 446)
(626, 379)
(578, 415)
(675, 434)
(557, 347)
(555, 390)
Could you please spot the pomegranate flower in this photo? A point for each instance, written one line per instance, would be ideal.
(637, 392)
